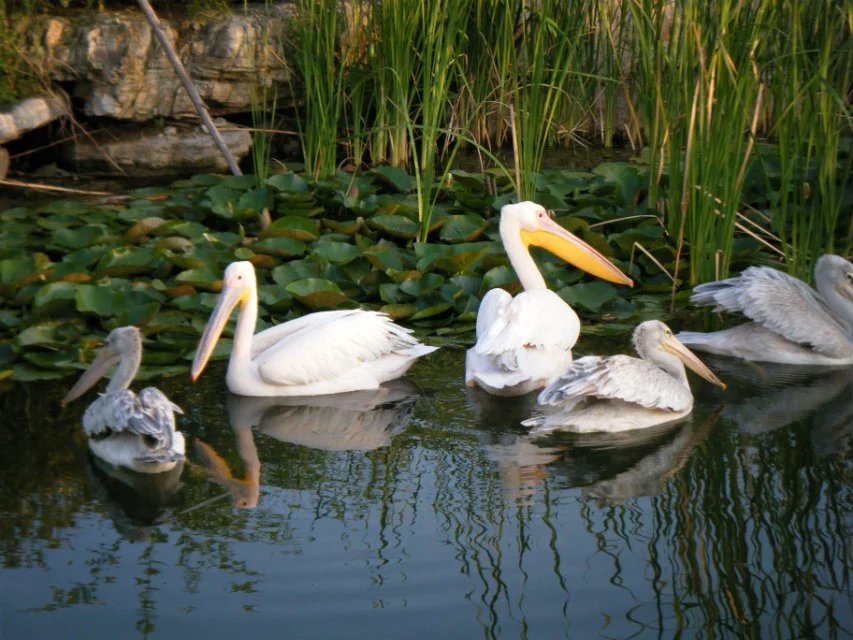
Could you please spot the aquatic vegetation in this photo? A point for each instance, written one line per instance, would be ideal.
(70, 271)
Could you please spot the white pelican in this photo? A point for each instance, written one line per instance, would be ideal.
(525, 342)
(621, 393)
(791, 322)
(320, 353)
(126, 429)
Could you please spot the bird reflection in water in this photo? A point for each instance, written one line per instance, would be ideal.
(354, 421)
(771, 396)
(135, 502)
(522, 463)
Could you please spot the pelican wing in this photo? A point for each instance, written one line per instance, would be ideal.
(268, 338)
(617, 378)
(330, 346)
(781, 303)
(538, 318)
(150, 413)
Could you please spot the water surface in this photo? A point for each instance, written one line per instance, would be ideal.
(424, 511)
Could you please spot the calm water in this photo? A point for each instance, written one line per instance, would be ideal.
(424, 512)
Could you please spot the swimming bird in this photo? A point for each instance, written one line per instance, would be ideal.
(620, 393)
(525, 342)
(791, 322)
(320, 353)
(126, 429)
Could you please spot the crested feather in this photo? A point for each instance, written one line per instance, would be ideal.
(781, 303)
(617, 377)
(332, 346)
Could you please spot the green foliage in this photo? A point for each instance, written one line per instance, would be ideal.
(71, 271)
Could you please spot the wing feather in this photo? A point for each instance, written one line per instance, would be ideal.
(331, 346)
(617, 377)
(538, 318)
(781, 303)
(150, 414)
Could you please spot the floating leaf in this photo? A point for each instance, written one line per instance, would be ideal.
(100, 300)
(298, 227)
(394, 178)
(128, 261)
(202, 278)
(316, 293)
(337, 252)
(288, 181)
(80, 237)
(281, 247)
(463, 228)
(591, 295)
(399, 311)
(502, 276)
(395, 226)
(419, 286)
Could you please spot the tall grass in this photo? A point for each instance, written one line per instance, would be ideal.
(316, 40)
(698, 82)
(700, 93)
(810, 66)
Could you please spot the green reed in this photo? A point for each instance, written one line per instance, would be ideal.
(700, 97)
(538, 87)
(810, 69)
(316, 39)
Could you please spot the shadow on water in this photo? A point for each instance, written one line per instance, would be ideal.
(427, 505)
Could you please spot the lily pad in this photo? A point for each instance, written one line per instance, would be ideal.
(316, 293)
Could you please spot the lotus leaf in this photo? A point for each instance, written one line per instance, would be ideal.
(295, 270)
(201, 278)
(336, 252)
(590, 295)
(501, 276)
(626, 177)
(431, 311)
(399, 311)
(394, 225)
(298, 227)
(393, 178)
(281, 247)
(128, 261)
(289, 182)
(463, 228)
(316, 293)
(85, 236)
(55, 299)
(386, 257)
(417, 287)
(100, 300)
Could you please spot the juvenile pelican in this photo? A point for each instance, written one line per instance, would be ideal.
(525, 342)
(791, 322)
(620, 393)
(320, 353)
(130, 430)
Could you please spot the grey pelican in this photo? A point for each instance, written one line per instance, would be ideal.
(621, 393)
(320, 353)
(126, 429)
(525, 342)
(791, 322)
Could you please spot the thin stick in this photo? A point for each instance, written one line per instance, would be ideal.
(188, 85)
(47, 187)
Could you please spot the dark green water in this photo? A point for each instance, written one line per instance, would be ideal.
(430, 515)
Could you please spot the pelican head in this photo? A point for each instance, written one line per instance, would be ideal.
(536, 227)
(122, 345)
(833, 277)
(238, 284)
(655, 343)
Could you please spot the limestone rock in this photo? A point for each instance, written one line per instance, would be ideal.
(18, 118)
(166, 151)
(118, 69)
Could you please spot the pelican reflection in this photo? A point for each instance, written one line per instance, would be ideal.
(354, 421)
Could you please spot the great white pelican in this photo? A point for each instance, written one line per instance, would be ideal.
(320, 353)
(524, 342)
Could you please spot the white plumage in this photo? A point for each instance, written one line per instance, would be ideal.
(320, 353)
(126, 429)
(791, 322)
(526, 341)
(621, 393)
